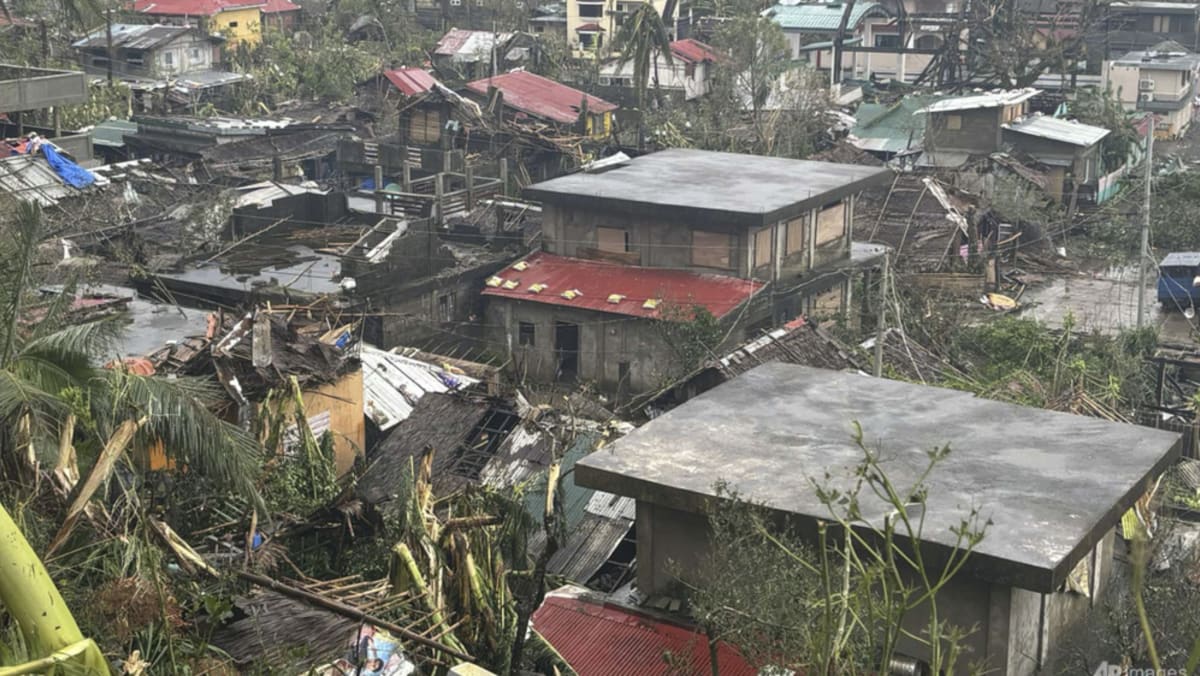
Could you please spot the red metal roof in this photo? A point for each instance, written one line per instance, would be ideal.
(595, 281)
(541, 97)
(279, 7)
(692, 51)
(589, 27)
(191, 7)
(605, 640)
(411, 81)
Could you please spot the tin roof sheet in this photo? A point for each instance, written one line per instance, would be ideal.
(820, 17)
(467, 45)
(394, 383)
(1057, 129)
(596, 282)
(192, 7)
(601, 639)
(411, 81)
(132, 36)
(989, 100)
(541, 97)
(1182, 259)
(692, 51)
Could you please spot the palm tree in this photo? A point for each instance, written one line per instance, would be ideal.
(49, 373)
(642, 36)
(50, 386)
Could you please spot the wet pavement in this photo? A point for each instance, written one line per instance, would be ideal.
(1105, 302)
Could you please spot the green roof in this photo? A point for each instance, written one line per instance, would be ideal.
(893, 127)
(574, 498)
(112, 133)
(820, 17)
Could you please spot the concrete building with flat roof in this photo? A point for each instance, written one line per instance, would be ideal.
(1052, 485)
(626, 243)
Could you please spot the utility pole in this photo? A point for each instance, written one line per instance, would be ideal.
(879, 327)
(108, 44)
(1145, 252)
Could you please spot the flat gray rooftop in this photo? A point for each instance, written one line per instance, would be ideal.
(743, 189)
(1053, 484)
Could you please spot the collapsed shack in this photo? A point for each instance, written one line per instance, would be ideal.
(265, 354)
(1177, 378)
(483, 442)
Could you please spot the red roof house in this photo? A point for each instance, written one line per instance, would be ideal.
(191, 7)
(602, 639)
(411, 81)
(281, 14)
(617, 289)
(541, 97)
(693, 51)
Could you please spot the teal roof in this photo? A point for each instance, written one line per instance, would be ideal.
(112, 133)
(574, 498)
(821, 17)
(893, 127)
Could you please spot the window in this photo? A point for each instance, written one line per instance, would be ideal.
(605, 81)
(195, 54)
(892, 41)
(446, 307)
(233, 24)
(954, 122)
(831, 224)
(455, 3)
(762, 247)
(612, 239)
(928, 42)
(796, 234)
(168, 59)
(591, 11)
(711, 249)
(525, 334)
(135, 60)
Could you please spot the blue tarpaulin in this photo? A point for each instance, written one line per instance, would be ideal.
(72, 174)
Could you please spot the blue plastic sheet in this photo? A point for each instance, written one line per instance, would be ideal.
(72, 174)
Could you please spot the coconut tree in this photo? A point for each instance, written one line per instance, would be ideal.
(52, 384)
(643, 35)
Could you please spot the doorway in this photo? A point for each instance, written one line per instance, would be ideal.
(566, 349)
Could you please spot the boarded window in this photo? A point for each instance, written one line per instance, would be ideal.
(711, 249)
(425, 126)
(827, 304)
(831, 224)
(525, 334)
(954, 122)
(614, 240)
(446, 307)
(796, 234)
(762, 247)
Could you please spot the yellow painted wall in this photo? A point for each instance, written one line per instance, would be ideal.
(248, 28)
(344, 401)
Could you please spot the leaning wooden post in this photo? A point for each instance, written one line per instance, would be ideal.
(504, 176)
(406, 177)
(378, 189)
(470, 176)
(438, 195)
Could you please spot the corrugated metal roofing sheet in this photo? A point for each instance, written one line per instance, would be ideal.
(411, 81)
(468, 46)
(29, 177)
(111, 133)
(132, 36)
(820, 17)
(393, 384)
(1181, 259)
(280, 7)
(990, 100)
(596, 282)
(1056, 129)
(598, 639)
(541, 97)
(191, 7)
(692, 51)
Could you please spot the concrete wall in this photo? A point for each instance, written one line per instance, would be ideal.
(1011, 628)
(606, 341)
(671, 77)
(659, 243)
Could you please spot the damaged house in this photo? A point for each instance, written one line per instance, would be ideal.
(255, 358)
(751, 240)
(1023, 588)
